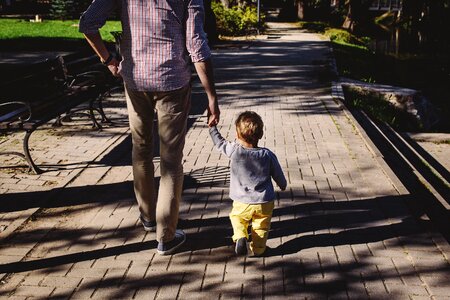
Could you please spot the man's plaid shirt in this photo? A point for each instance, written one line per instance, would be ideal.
(158, 38)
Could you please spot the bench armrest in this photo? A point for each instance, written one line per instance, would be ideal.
(23, 107)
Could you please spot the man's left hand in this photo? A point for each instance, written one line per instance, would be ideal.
(213, 114)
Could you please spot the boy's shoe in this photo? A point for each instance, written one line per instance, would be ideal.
(241, 246)
(267, 252)
(170, 247)
(148, 225)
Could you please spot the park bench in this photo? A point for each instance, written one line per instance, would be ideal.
(51, 90)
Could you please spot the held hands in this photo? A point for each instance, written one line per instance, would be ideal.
(213, 113)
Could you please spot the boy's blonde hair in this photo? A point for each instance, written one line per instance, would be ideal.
(249, 127)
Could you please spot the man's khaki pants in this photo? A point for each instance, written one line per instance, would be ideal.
(172, 111)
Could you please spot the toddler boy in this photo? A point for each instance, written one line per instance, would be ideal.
(251, 187)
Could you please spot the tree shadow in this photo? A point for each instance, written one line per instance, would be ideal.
(297, 227)
(423, 202)
(354, 222)
(302, 225)
(295, 67)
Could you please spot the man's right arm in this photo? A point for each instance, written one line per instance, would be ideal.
(96, 42)
(90, 23)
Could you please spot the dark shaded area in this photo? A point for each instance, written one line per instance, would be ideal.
(423, 200)
(75, 257)
(75, 196)
(428, 157)
(428, 74)
(16, 63)
(45, 44)
(380, 109)
(356, 222)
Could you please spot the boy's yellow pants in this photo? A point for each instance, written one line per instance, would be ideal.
(260, 216)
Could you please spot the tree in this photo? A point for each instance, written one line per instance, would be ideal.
(312, 9)
(357, 13)
(68, 9)
(301, 7)
(413, 12)
(210, 23)
(62, 9)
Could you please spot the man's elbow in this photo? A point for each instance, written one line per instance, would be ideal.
(87, 28)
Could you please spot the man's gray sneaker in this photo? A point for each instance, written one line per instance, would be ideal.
(148, 225)
(168, 248)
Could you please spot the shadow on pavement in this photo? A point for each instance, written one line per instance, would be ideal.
(291, 68)
(298, 225)
(423, 201)
(353, 222)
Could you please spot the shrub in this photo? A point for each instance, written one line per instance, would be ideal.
(313, 26)
(379, 109)
(235, 20)
(344, 37)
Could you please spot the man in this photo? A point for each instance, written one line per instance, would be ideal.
(158, 36)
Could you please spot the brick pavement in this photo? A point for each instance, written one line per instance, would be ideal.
(63, 151)
(435, 144)
(342, 229)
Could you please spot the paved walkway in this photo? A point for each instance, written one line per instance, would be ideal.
(342, 229)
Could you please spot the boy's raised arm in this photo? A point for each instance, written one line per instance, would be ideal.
(221, 144)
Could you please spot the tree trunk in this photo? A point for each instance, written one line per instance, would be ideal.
(300, 7)
(210, 23)
(357, 13)
(349, 22)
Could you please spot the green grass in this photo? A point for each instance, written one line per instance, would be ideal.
(54, 29)
(336, 35)
(343, 37)
(50, 35)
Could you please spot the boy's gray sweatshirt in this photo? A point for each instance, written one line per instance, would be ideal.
(251, 171)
